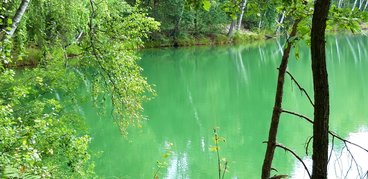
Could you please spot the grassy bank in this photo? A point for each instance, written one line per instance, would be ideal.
(212, 39)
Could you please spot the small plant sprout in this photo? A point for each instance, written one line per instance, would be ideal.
(221, 162)
(162, 163)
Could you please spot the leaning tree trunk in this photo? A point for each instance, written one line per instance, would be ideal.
(231, 29)
(15, 21)
(271, 143)
(242, 14)
(17, 17)
(365, 6)
(321, 93)
(339, 4)
(280, 22)
(355, 2)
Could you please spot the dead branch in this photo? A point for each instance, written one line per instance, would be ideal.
(295, 155)
(297, 114)
(332, 146)
(307, 145)
(346, 141)
(300, 87)
(353, 159)
(330, 132)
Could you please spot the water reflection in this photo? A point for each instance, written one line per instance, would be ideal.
(346, 161)
(231, 87)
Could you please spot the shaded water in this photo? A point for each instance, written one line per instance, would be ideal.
(200, 88)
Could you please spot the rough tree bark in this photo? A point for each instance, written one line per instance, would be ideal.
(321, 93)
(271, 142)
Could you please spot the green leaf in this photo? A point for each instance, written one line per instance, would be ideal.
(297, 52)
(206, 5)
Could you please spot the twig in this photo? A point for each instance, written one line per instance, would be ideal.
(76, 39)
(332, 146)
(347, 172)
(155, 174)
(300, 87)
(218, 153)
(223, 173)
(330, 132)
(353, 159)
(297, 114)
(307, 145)
(346, 141)
(296, 156)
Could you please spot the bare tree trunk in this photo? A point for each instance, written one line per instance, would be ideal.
(340, 4)
(365, 6)
(361, 2)
(321, 93)
(280, 22)
(18, 17)
(355, 2)
(177, 27)
(155, 5)
(231, 29)
(271, 143)
(242, 13)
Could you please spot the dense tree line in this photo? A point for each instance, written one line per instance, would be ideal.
(184, 20)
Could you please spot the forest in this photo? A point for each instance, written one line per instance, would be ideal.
(183, 89)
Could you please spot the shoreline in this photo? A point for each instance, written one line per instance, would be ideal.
(206, 40)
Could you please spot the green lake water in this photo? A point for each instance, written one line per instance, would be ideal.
(232, 88)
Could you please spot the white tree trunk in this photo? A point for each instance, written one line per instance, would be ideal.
(18, 17)
(340, 4)
(280, 22)
(365, 6)
(361, 2)
(355, 2)
(242, 13)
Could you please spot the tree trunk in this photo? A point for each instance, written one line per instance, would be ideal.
(155, 8)
(321, 93)
(177, 27)
(340, 4)
(18, 16)
(361, 2)
(355, 2)
(280, 22)
(231, 29)
(242, 13)
(365, 6)
(271, 143)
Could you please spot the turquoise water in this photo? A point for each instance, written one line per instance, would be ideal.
(232, 88)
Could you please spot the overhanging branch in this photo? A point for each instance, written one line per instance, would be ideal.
(329, 132)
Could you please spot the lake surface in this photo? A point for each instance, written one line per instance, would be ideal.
(232, 88)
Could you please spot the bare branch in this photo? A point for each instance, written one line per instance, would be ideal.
(295, 155)
(225, 168)
(346, 141)
(300, 87)
(330, 132)
(353, 159)
(332, 146)
(307, 145)
(297, 114)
